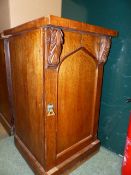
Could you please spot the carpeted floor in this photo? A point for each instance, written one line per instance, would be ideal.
(3, 133)
(12, 163)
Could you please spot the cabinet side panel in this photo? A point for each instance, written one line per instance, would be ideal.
(4, 95)
(27, 75)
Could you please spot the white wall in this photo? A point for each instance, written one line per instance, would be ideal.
(16, 12)
(4, 14)
(24, 10)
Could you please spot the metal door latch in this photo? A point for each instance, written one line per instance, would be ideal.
(50, 110)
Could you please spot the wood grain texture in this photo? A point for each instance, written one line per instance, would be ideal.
(6, 116)
(80, 26)
(76, 80)
(57, 69)
(50, 121)
(61, 22)
(27, 77)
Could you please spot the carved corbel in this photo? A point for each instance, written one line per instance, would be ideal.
(54, 43)
(105, 44)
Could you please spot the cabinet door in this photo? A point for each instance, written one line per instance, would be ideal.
(77, 80)
(73, 88)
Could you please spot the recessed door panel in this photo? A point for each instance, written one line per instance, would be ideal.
(76, 90)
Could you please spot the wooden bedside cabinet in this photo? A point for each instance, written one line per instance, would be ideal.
(57, 70)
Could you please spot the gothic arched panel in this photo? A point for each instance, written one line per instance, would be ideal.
(76, 90)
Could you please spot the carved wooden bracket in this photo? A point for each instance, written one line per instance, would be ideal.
(54, 42)
(105, 44)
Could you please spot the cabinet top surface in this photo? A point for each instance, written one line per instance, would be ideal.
(62, 23)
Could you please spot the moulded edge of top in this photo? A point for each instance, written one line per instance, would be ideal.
(60, 22)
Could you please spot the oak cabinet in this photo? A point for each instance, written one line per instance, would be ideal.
(57, 70)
